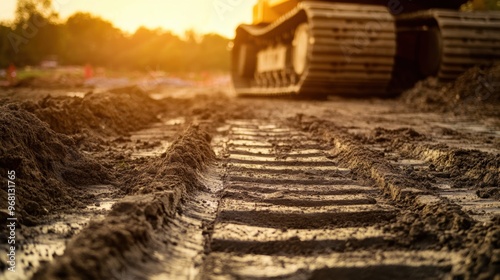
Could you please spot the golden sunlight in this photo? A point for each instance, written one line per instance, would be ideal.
(203, 16)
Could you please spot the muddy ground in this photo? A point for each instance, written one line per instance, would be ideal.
(194, 183)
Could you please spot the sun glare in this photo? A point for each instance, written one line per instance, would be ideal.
(204, 16)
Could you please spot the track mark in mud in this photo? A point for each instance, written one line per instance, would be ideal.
(463, 176)
(155, 140)
(151, 233)
(433, 184)
(442, 184)
(188, 233)
(41, 244)
(49, 240)
(374, 264)
(289, 210)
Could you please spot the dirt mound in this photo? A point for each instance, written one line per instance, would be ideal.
(484, 253)
(464, 167)
(470, 167)
(115, 112)
(447, 226)
(478, 87)
(136, 226)
(467, 168)
(46, 164)
(178, 165)
(419, 226)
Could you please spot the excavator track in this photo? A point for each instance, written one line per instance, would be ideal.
(461, 40)
(359, 50)
(345, 49)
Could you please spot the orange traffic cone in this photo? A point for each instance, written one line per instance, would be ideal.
(89, 72)
(11, 74)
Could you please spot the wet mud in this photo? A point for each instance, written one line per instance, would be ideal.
(123, 240)
(465, 167)
(216, 187)
(48, 167)
(428, 219)
(176, 168)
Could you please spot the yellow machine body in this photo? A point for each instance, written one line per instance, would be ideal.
(267, 11)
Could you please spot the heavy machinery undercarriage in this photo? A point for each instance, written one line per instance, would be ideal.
(327, 47)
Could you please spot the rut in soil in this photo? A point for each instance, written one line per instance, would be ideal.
(289, 211)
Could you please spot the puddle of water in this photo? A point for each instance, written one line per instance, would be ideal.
(50, 239)
(175, 92)
(443, 186)
(152, 152)
(175, 121)
(411, 162)
(79, 94)
(104, 204)
(223, 128)
(156, 139)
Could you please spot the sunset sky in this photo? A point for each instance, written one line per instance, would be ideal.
(221, 16)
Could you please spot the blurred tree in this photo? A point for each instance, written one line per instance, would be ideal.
(6, 52)
(84, 38)
(28, 10)
(34, 34)
(215, 52)
(91, 39)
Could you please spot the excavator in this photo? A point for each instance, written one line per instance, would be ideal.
(359, 48)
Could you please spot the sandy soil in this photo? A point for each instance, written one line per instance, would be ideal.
(214, 186)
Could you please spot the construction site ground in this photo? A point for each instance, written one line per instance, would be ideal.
(195, 183)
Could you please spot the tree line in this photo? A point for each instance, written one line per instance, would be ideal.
(38, 34)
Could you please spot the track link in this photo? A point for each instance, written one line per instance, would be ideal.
(464, 39)
(290, 212)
